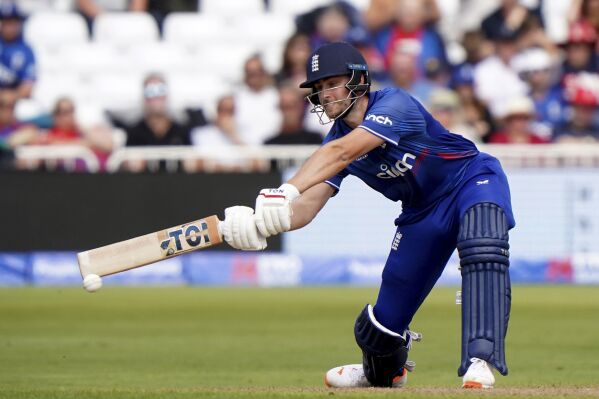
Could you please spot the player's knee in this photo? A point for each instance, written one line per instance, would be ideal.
(384, 352)
(483, 237)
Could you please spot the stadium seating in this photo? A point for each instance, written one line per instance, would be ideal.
(262, 30)
(232, 7)
(106, 69)
(159, 57)
(125, 29)
(116, 91)
(87, 59)
(228, 64)
(294, 7)
(55, 29)
(193, 29)
(193, 90)
(50, 87)
(272, 55)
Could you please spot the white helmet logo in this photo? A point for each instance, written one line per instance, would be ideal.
(315, 62)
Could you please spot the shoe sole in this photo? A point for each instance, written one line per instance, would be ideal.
(396, 382)
(475, 385)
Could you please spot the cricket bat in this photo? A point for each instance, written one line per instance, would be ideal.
(150, 248)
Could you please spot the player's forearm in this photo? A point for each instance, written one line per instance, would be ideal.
(307, 206)
(303, 214)
(333, 157)
(326, 162)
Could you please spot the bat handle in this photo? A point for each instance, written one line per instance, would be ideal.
(220, 226)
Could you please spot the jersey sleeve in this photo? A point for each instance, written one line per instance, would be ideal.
(336, 180)
(394, 116)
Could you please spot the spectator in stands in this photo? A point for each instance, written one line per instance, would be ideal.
(519, 19)
(223, 131)
(536, 68)
(295, 55)
(477, 47)
(533, 34)
(516, 121)
(580, 49)
(341, 21)
(475, 114)
(409, 34)
(66, 130)
(582, 95)
(17, 60)
(403, 73)
(13, 133)
(332, 25)
(90, 9)
(510, 18)
(587, 10)
(380, 13)
(494, 78)
(157, 127)
(338, 21)
(222, 135)
(257, 96)
(444, 105)
(293, 131)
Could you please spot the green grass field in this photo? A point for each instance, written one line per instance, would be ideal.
(271, 343)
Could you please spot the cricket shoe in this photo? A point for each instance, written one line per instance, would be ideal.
(479, 375)
(352, 376)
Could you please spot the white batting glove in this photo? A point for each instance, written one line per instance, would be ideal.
(273, 209)
(239, 229)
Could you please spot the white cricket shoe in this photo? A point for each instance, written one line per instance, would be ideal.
(479, 375)
(352, 376)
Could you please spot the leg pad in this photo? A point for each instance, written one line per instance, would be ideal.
(486, 292)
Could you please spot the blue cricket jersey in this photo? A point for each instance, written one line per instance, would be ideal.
(419, 162)
(17, 63)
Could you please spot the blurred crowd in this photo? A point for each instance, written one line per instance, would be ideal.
(495, 71)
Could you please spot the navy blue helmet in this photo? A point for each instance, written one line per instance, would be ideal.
(334, 59)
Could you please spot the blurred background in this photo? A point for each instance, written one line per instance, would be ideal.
(119, 118)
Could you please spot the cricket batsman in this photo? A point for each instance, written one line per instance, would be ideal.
(452, 195)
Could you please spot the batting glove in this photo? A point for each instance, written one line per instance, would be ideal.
(273, 209)
(239, 229)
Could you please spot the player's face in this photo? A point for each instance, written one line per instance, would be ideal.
(333, 95)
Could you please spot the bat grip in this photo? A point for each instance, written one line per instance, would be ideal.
(220, 227)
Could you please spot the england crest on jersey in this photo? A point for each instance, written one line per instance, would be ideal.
(315, 62)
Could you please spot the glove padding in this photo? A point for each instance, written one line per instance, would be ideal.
(273, 209)
(239, 229)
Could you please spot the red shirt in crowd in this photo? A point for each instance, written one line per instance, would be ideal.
(504, 138)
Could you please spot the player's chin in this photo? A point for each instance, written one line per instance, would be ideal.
(332, 111)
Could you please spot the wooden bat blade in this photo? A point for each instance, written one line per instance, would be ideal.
(150, 248)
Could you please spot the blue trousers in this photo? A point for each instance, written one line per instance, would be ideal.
(426, 237)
